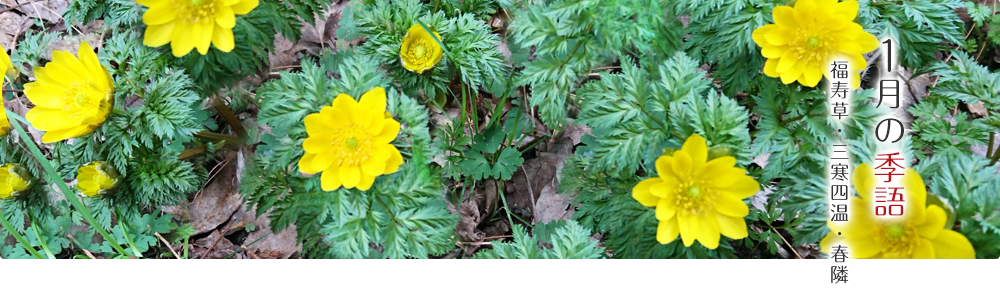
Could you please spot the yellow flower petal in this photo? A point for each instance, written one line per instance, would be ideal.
(952, 245)
(863, 247)
(932, 226)
(785, 16)
(792, 75)
(682, 165)
(225, 17)
(923, 250)
(771, 68)
(47, 97)
(60, 135)
(182, 42)
(322, 161)
(395, 159)
(390, 130)
(731, 206)
(49, 119)
(863, 180)
(223, 40)
(716, 165)
(665, 209)
(318, 143)
(708, 234)
(759, 35)
(374, 100)
(305, 164)
(805, 12)
(347, 107)
(366, 182)
(642, 193)
(778, 37)
(373, 167)
(245, 6)
(667, 231)
(732, 227)
(696, 147)
(745, 186)
(722, 178)
(350, 176)
(664, 166)
(773, 52)
(159, 14)
(811, 76)
(689, 228)
(846, 11)
(202, 32)
(330, 180)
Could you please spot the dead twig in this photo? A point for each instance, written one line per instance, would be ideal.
(171, 248)
(252, 255)
(786, 243)
(216, 241)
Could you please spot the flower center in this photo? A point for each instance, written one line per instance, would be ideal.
(419, 52)
(813, 42)
(352, 145)
(693, 199)
(694, 192)
(195, 11)
(79, 100)
(898, 239)
(812, 46)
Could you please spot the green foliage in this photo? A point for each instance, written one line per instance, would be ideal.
(115, 13)
(920, 27)
(155, 115)
(403, 215)
(938, 136)
(471, 47)
(720, 35)
(966, 81)
(571, 38)
(499, 163)
(969, 186)
(554, 240)
(31, 51)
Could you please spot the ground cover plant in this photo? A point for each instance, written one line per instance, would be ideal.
(490, 129)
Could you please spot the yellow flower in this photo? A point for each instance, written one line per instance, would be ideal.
(350, 142)
(419, 51)
(96, 179)
(14, 179)
(805, 40)
(6, 66)
(696, 197)
(189, 24)
(72, 96)
(919, 234)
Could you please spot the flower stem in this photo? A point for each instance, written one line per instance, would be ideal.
(124, 225)
(579, 42)
(996, 156)
(41, 240)
(391, 215)
(20, 238)
(989, 149)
